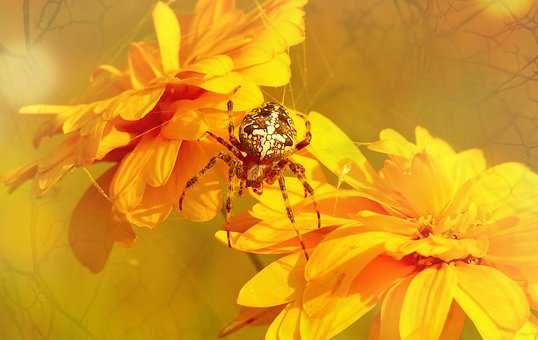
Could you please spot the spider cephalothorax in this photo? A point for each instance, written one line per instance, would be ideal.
(261, 154)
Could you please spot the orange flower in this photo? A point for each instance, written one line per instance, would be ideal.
(151, 117)
(444, 238)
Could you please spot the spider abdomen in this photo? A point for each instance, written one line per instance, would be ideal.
(268, 133)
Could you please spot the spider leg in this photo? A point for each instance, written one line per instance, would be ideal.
(289, 211)
(210, 164)
(299, 172)
(242, 185)
(308, 134)
(228, 205)
(234, 150)
(231, 127)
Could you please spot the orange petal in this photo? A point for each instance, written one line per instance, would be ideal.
(127, 187)
(144, 65)
(454, 323)
(162, 162)
(250, 316)
(168, 35)
(275, 284)
(427, 302)
(135, 104)
(391, 310)
(496, 304)
(347, 303)
(188, 124)
(93, 228)
(204, 200)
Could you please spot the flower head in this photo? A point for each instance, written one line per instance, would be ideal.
(151, 117)
(444, 238)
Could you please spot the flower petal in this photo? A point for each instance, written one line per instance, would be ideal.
(275, 284)
(341, 246)
(188, 124)
(275, 72)
(391, 310)
(163, 160)
(91, 239)
(144, 65)
(251, 316)
(134, 104)
(168, 35)
(286, 324)
(427, 302)
(204, 200)
(127, 187)
(345, 303)
(496, 304)
(454, 323)
(348, 163)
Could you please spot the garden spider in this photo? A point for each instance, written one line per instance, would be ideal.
(266, 141)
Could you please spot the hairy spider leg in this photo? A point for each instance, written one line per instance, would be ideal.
(229, 198)
(235, 151)
(308, 133)
(210, 164)
(289, 211)
(231, 128)
(299, 172)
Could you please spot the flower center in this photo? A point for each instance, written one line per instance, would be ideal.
(445, 240)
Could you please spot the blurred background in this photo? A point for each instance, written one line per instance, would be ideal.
(465, 69)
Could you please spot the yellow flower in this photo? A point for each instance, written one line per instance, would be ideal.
(448, 238)
(150, 118)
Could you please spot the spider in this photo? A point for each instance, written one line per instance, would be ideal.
(261, 154)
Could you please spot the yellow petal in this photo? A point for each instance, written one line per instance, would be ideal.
(213, 66)
(431, 145)
(188, 124)
(286, 324)
(268, 233)
(529, 331)
(348, 163)
(275, 284)
(44, 109)
(341, 246)
(111, 140)
(162, 161)
(112, 71)
(392, 143)
(507, 189)
(496, 304)
(427, 302)
(275, 72)
(382, 222)
(168, 35)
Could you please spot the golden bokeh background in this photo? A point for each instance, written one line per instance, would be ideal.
(465, 69)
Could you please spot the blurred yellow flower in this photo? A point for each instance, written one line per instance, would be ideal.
(150, 118)
(443, 238)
